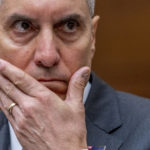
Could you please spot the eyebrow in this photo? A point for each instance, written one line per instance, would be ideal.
(73, 16)
(78, 17)
(64, 19)
(15, 16)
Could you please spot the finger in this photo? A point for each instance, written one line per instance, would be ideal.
(4, 105)
(22, 80)
(16, 114)
(16, 118)
(77, 84)
(12, 91)
(5, 102)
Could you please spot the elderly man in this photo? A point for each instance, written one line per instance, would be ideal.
(46, 49)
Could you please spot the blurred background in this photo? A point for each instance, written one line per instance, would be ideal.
(122, 56)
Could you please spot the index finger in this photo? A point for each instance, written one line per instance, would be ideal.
(20, 79)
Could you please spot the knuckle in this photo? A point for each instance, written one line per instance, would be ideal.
(19, 78)
(28, 108)
(9, 88)
(21, 124)
(44, 98)
(5, 106)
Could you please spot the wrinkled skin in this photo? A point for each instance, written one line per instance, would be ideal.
(45, 45)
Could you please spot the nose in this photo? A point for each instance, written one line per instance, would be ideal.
(46, 53)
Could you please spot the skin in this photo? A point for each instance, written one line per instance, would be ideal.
(44, 48)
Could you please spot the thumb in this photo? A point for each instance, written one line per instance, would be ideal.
(77, 84)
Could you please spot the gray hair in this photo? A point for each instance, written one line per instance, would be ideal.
(91, 4)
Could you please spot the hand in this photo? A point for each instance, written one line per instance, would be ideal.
(41, 119)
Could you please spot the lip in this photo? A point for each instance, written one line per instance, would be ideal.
(58, 86)
(48, 80)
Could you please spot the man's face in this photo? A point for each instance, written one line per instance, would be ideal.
(48, 39)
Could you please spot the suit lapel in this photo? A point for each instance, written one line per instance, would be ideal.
(4, 133)
(98, 137)
(102, 115)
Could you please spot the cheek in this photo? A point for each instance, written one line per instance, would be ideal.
(78, 54)
(16, 55)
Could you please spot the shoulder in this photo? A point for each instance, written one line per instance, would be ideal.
(135, 115)
(133, 104)
(129, 104)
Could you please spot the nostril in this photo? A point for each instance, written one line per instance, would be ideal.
(44, 64)
(39, 63)
(47, 62)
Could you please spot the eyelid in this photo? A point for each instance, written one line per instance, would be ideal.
(69, 20)
(62, 22)
(17, 21)
(34, 27)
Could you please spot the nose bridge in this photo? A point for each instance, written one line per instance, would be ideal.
(46, 41)
(46, 50)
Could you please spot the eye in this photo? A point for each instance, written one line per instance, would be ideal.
(70, 26)
(22, 31)
(69, 29)
(22, 26)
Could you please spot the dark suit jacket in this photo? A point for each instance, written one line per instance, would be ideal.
(118, 120)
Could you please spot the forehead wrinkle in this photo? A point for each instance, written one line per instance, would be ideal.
(49, 8)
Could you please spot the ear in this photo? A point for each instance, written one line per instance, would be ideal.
(95, 21)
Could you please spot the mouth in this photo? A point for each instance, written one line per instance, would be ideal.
(48, 80)
(58, 86)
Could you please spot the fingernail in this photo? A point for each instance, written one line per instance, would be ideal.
(86, 75)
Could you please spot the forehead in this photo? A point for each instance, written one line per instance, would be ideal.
(44, 7)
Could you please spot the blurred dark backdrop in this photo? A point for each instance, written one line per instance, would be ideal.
(123, 45)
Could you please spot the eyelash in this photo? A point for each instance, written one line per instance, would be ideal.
(63, 23)
(71, 20)
(61, 27)
(14, 25)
